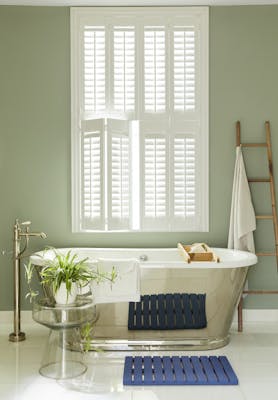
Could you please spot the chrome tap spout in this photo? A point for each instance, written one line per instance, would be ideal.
(38, 234)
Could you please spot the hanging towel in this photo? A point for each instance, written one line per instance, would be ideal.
(126, 286)
(242, 218)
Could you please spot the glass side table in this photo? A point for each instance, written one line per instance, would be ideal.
(62, 357)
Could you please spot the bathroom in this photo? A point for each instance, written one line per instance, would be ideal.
(35, 168)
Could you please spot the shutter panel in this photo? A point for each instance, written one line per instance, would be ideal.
(154, 69)
(184, 192)
(154, 181)
(94, 69)
(118, 174)
(184, 177)
(124, 68)
(92, 191)
(184, 69)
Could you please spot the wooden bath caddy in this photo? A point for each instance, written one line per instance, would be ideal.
(207, 255)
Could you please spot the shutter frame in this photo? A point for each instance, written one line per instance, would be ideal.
(197, 17)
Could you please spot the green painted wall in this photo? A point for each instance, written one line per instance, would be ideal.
(35, 131)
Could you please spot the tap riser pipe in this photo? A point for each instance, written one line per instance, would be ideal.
(16, 335)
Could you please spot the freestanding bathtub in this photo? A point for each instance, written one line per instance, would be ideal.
(163, 271)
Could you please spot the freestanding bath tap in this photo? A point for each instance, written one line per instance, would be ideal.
(21, 230)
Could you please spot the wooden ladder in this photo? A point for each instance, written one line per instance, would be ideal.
(272, 216)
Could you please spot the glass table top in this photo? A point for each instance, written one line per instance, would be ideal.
(55, 316)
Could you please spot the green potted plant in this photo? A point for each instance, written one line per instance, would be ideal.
(65, 275)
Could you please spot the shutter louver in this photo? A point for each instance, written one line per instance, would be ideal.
(184, 177)
(155, 182)
(94, 69)
(154, 70)
(92, 182)
(118, 175)
(124, 69)
(184, 69)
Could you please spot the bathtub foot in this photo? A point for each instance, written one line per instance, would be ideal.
(109, 344)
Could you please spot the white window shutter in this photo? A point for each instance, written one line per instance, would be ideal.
(123, 75)
(184, 155)
(92, 189)
(154, 160)
(154, 69)
(184, 193)
(118, 174)
(94, 64)
(184, 69)
(144, 166)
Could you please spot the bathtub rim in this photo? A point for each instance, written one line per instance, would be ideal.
(244, 259)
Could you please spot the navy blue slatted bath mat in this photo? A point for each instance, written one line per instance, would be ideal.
(141, 371)
(168, 311)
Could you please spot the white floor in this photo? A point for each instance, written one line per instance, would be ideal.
(253, 355)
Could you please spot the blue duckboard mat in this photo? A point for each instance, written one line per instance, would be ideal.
(175, 370)
(168, 311)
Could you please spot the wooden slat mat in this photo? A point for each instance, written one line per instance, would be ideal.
(140, 371)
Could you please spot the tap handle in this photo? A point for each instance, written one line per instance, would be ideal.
(26, 223)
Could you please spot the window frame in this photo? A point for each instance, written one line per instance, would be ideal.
(82, 15)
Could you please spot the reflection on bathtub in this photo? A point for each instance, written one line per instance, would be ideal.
(168, 311)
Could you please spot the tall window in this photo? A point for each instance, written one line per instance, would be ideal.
(139, 119)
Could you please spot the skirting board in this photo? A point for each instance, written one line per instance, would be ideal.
(6, 317)
(249, 315)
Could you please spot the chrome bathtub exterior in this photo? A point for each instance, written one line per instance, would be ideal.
(223, 288)
(164, 271)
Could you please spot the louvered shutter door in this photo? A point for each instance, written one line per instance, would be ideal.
(92, 175)
(184, 69)
(183, 193)
(154, 69)
(118, 174)
(184, 177)
(124, 69)
(154, 160)
(94, 85)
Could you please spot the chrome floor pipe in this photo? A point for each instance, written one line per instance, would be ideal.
(20, 230)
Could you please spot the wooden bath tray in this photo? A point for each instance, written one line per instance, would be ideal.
(208, 255)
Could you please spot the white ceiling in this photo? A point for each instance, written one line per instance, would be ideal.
(135, 2)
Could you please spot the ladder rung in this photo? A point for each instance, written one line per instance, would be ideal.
(254, 144)
(261, 291)
(258, 179)
(264, 216)
(265, 254)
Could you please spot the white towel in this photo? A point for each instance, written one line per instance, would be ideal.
(127, 283)
(242, 218)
